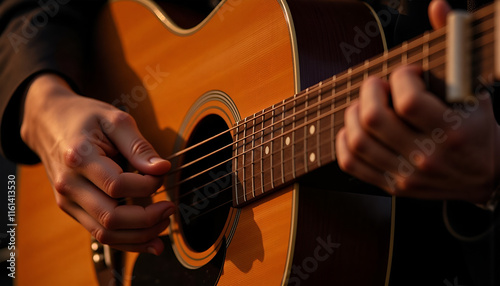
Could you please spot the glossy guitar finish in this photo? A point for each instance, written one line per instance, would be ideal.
(235, 69)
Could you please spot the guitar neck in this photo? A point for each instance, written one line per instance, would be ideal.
(275, 146)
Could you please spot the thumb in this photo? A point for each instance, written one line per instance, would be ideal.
(438, 9)
(123, 132)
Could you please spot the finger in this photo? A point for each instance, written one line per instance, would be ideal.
(412, 102)
(364, 146)
(137, 240)
(104, 173)
(91, 161)
(155, 246)
(133, 146)
(353, 165)
(438, 9)
(380, 121)
(108, 212)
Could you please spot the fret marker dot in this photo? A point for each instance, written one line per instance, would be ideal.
(312, 129)
(266, 150)
(312, 157)
(287, 141)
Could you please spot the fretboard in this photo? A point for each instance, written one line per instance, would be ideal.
(275, 146)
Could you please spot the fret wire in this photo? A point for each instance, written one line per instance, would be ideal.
(262, 153)
(425, 62)
(404, 56)
(304, 153)
(365, 69)
(282, 148)
(272, 148)
(235, 167)
(318, 126)
(333, 118)
(244, 160)
(293, 133)
(253, 157)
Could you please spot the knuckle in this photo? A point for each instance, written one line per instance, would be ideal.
(401, 73)
(62, 185)
(408, 104)
(371, 81)
(112, 187)
(106, 219)
(347, 163)
(357, 142)
(100, 235)
(76, 152)
(120, 118)
(426, 164)
(406, 185)
(61, 203)
(371, 117)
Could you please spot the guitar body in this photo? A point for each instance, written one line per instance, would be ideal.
(245, 57)
(181, 85)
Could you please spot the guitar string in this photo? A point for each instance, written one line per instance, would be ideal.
(356, 71)
(309, 91)
(340, 96)
(232, 173)
(283, 133)
(242, 196)
(316, 106)
(258, 146)
(325, 115)
(204, 213)
(428, 37)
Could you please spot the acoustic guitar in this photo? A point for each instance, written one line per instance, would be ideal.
(245, 107)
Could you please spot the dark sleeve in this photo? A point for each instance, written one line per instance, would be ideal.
(36, 37)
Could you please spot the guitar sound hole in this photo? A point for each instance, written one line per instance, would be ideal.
(205, 193)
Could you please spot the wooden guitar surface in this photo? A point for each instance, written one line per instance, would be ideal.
(246, 57)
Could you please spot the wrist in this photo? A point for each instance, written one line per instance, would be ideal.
(38, 102)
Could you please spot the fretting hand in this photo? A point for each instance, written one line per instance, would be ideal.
(420, 146)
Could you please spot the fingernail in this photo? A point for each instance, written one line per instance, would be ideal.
(155, 160)
(152, 250)
(167, 213)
